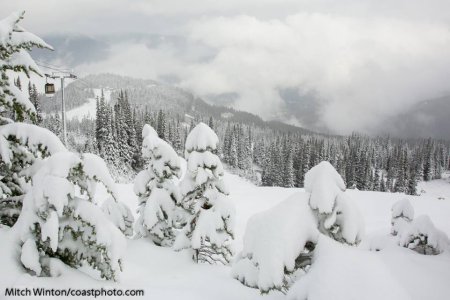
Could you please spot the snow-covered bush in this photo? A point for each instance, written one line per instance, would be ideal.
(402, 215)
(423, 237)
(15, 42)
(209, 229)
(279, 243)
(157, 189)
(120, 215)
(20, 146)
(60, 219)
(337, 215)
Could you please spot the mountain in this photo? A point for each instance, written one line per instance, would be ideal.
(429, 118)
(155, 96)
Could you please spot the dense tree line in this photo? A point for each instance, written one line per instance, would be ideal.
(277, 157)
(376, 164)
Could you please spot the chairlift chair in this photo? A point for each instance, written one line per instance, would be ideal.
(49, 87)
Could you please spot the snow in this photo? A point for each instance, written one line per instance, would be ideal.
(337, 215)
(403, 209)
(157, 188)
(119, 214)
(205, 165)
(49, 230)
(15, 42)
(402, 215)
(348, 218)
(422, 230)
(30, 256)
(106, 233)
(324, 184)
(30, 135)
(158, 202)
(201, 138)
(96, 169)
(274, 239)
(210, 215)
(9, 24)
(341, 272)
(88, 109)
(210, 223)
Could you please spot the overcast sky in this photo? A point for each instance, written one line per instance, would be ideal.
(365, 60)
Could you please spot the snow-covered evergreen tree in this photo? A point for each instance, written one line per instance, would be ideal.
(15, 42)
(157, 189)
(20, 146)
(122, 131)
(34, 98)
(120, 215)
(337, 215)
(61, 220)
(209, 230)
(161, 125)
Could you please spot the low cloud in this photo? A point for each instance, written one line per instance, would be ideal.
(364, 60)
(363, 70)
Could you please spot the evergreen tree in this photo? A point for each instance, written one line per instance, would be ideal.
(14, 58)
(34, 99)
(209, 229)
(383, 184)
(161, 129)
(62, 220)
(122, 131)
(157, 189)
(211, 122)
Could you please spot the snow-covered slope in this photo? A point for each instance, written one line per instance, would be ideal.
(393, 273)
(88, 109)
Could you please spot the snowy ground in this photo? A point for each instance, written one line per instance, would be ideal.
(394, 273)
(88, 109)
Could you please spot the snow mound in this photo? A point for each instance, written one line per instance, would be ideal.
(340, 272)
(273, 240)
(423, 237)
(402, 215)
(403, 209)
